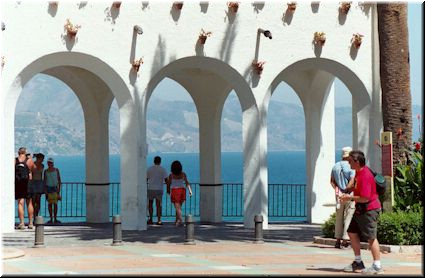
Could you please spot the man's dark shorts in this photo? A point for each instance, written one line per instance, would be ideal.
(155, 194)
(365, 225)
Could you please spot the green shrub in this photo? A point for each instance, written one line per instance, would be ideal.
(328, 228)
(394, 228)
(401, 228)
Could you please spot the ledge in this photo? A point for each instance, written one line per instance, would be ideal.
(404, 249)
(11, 253)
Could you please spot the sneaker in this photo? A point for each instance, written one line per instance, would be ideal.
(57, 221)
(150, 222)
(30, 226)
(355, 267)
(373, 270)
(21, 226)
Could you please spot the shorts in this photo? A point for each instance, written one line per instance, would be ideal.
(21, 189)
(35, 187)
(178, 195)
(52, 198)
(155, 194)
(365, 225)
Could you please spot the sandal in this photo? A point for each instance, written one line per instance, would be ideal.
(21, 226)
(159, 223)
(150, 222)
(30, 226)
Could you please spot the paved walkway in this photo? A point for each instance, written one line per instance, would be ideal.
(225, 249)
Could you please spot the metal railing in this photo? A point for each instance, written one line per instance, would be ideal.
(285, 202)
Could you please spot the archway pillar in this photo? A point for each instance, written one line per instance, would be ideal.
(255, 174)
(97, 163)
(318, 101)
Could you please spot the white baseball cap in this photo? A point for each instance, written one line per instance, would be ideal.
(346, 152)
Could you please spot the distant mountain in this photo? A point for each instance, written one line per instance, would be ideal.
(49, 119)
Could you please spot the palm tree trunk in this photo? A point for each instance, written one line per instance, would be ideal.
(395, 75)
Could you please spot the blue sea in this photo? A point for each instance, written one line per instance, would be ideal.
(286, 178)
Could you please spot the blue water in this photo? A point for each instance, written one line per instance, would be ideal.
(284, 166)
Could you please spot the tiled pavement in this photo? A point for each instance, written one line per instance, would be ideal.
(226, 249)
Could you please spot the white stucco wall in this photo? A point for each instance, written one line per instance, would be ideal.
(34, 31)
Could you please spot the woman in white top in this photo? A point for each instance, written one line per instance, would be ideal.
(176, 183)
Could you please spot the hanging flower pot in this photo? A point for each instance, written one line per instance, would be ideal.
(136, 64)
(53, 3)
(356, 40)
(178, 5)
(203, 36)
(345, 7)
(258, 66)
(319, 38)
(116, 5)
(233, 6)
(292, 7)
(71, 29)
(2, 61)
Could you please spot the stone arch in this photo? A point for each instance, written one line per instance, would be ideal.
(311, 79)
(219, 79)
(96, 84)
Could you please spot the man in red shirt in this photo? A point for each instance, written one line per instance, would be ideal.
(365, 219)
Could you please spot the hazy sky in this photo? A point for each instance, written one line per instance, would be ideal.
(342, 95)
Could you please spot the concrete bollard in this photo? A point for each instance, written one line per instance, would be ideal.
(116, 230)
(258, 220)
(190, 230)
(39, 232)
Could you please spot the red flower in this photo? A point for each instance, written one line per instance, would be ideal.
(418, 146)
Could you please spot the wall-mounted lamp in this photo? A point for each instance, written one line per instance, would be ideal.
(3, 26)
(266, 33)
(138, 29)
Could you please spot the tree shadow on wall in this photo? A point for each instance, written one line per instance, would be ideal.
(315, 7)
(52, 9)
(145, 4)
(287, 17)
(175, 13)
(353, 51)
(204, 7)
(258, 6)
(82, 4)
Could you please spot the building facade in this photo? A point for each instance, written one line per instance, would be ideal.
(98, 64)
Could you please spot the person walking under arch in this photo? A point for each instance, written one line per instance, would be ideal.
(52, 188)
(176, 183)
(342, 180)
(23, 168)
(365, 219)
(155, 176)
(36, 185)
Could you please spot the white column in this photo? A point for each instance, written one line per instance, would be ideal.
(97, 164)
(255, 186)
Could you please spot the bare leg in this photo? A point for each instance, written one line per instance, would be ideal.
(55, 211)
(355, 243)
(36, 205)
(374, 248)
(30, 209)
(178, 213)
(21, 203)
(51, 212)
(158, 209)
(150, 208)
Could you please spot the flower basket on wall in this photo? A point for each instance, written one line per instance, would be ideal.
(319, 38)
(233, 6)
(116, 5)
(356, 40)
(53, 3)
(203, 36)
(345, 7)
(258, 66)
(136, 64)
(292, 6)
(178, 5)
(71, 29)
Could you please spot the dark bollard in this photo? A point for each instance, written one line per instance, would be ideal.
(39, 232)
(258, 220)
(190, 230)
(116, 229)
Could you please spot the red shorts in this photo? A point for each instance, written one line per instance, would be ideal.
(178, 195)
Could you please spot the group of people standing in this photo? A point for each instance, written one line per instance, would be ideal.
(31, 182)
(357, 209)
(176, 183)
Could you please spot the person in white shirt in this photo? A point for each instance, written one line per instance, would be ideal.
(155, 177)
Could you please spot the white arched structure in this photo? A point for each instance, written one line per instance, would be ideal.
(96, 64)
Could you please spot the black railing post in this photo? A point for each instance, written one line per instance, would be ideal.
(258, 220)
(190, 230)
(116, 230)
(39, 232)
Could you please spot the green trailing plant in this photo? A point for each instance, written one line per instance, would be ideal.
(328, 228)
